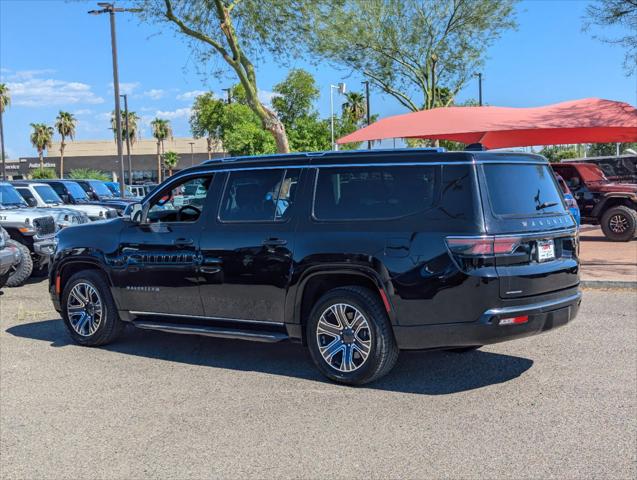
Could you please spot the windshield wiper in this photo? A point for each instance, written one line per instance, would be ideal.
(544, 205)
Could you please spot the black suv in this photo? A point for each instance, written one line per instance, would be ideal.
(355, 254)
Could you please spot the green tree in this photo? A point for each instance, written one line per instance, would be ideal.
(132, 133)
(207, 118)
(355, 106)
(5, 101)
(43, 174)
(41, 139)
(237, 33)
(65, 126)
(557, 153)
(408, 48)
(616, 13)
(609, 149)
(243, 133)
(295, 96)
(161, 131)
(88, 173)
(171, 159)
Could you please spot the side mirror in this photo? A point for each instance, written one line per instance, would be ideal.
(134, 211)
(32, 202)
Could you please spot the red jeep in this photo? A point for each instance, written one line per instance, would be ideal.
(612, 205)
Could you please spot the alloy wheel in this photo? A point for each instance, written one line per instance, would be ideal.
(344, 337)
(618, 223)
(84, 309)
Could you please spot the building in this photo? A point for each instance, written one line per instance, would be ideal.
(102, 155)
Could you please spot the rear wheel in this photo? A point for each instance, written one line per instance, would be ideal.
(21, 271)
(89, 311)
(619, 223)
(349, 336)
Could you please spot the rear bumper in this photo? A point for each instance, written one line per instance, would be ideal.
(543, 316)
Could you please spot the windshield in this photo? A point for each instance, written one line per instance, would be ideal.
(113, 187)
(10, 197)
(101, 189)
(48, 194)
(522, 190)
(76, 191)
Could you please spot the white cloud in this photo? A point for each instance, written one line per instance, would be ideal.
(126, 88)
(32, 91)
(266, 96)
(190, 95)
(83, 111)
(174, 114)
(154, 93)
(20, 75)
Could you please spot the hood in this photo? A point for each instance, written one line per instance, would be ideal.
(612, 187)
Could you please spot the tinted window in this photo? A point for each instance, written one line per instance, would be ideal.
(26, 194)
(348, 193)
(75, 190)
(522, 189)
(101, 189)
(259, 195)
(457, 192)
(47, 194)
(183, 202)
(10, 196)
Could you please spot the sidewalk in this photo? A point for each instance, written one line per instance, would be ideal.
(614, 263)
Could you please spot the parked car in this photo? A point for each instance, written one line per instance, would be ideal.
(616, 168)
(355, 254)
(74, 196)
(43, 196)
(114, 188)
(141, 191)
(571, 203)
(602, 202)
(99, 192)
(32, 231)
(10, 257)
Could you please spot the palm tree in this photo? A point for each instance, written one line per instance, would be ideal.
(41, 139)
(171, 159)
(65, 126)
(161, 131)
(5, 101)
(355, 106)
(132, 126)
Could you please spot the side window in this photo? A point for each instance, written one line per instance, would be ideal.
(359, 193)
(27, 195)
(259, 195)
(183, 202)
(59, 189)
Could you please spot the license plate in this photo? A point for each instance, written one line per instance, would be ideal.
(545, 250)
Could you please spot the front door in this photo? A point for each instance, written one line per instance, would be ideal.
(247, 246)
(161, 255)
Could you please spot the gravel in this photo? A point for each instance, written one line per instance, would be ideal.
(156, 405)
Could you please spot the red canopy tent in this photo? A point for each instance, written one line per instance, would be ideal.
(591, 120)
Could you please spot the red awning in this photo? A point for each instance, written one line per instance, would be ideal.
(591, 120)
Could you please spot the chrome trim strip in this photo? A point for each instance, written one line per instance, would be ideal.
(539, 307)
(542, 233)
(202, 317)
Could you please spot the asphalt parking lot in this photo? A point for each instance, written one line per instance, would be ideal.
(156, 405)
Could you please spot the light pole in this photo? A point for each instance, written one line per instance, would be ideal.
(479, 75)
(192, 153)
(369, 116)
(341, 89)
(130, 163)
(111, 10)
(4, 173)
(229, 92)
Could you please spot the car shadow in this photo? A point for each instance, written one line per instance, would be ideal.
(429, 373)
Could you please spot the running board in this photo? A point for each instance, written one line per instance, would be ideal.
(222, 332)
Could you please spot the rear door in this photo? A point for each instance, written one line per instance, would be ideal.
(525, 209)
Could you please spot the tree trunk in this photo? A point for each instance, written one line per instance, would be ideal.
(209, 142)
(158, 162)
(41, 155)
(277, 129)
(62, 145)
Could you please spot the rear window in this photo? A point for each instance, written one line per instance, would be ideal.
(522, 190)
(364, 193)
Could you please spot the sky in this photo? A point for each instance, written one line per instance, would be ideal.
(54, 56)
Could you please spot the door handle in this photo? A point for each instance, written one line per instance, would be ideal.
(275, 242)
(183, 242)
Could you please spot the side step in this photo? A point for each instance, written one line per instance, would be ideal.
(208, 331)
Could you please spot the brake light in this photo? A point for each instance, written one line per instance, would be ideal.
(514, 320)
(488, 245)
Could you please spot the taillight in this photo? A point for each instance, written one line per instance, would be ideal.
(487, 245)
(514, 320)
(570, 202)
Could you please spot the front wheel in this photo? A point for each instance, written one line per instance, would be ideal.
(21, 271)
(89, 311)
(619, 223)
(349, 336)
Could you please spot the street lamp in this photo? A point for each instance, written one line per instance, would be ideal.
(229, 92)
(111, 10)
(192, 153)
(130, 163)
(341, 88)
(479, 75)
(369, 116)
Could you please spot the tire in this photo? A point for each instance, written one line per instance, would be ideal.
(99, 328)
(464, 349)
(619, 223)
(21, 272)
(376, 338)
(4, 278)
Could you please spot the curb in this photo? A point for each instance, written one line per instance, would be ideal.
(606, 284)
